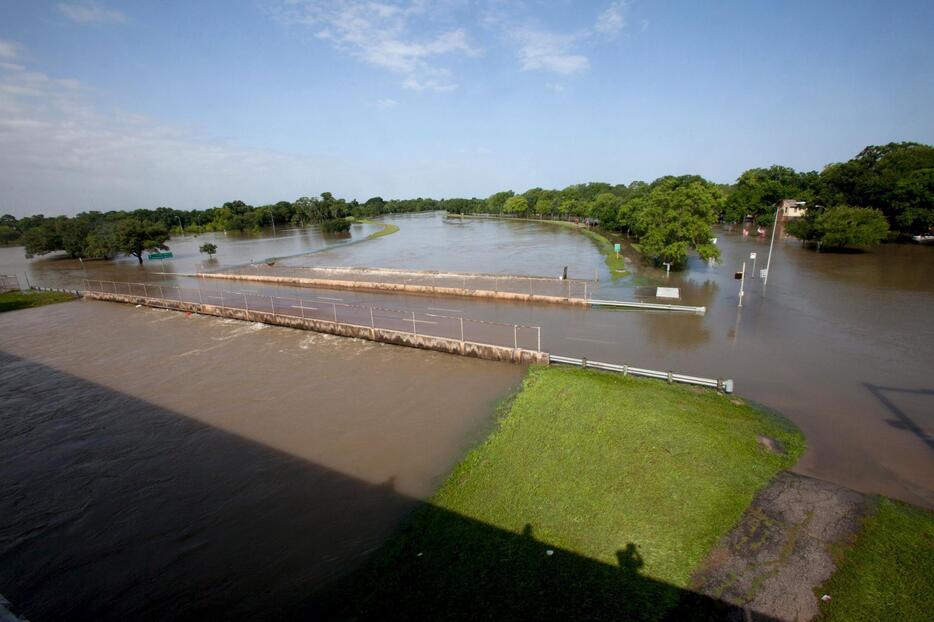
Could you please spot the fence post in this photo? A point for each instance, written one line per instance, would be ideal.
(585, 290)
(625, 370)
(334, 305)
(670, 380)
(161, 292)
(145, 291)
(246, 305)
(372, 326)
(462, 330)
(515, 336)
(272, 300)
(414, 331)
(200, 299)
(301, 306)
(539, 331)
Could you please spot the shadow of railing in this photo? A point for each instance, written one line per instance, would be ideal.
(903, 421)
(118, 509)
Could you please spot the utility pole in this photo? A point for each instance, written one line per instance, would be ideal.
(768, 263)
(742, 281)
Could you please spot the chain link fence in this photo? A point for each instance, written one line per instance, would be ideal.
(366, 316)
(9, 283)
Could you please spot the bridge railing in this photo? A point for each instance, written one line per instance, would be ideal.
(366, 316)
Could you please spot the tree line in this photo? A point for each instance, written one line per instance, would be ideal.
(882, 189)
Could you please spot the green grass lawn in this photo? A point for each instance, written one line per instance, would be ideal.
(888, 574)
(11, 301)
(628, 482)
(387, 229)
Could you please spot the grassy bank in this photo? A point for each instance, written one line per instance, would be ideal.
(595, 498)
(11, 301)
(387, 229)
(888, 574)
(616, 264)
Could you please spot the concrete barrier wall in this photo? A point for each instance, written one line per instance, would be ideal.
(396, 287)
(424, 342)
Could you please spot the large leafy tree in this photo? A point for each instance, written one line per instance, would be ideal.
(676, 217)
(759, 189)
(894, 178)
(841, 226)
(516, 205)
(135, 237)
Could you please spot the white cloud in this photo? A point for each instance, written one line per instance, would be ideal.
(550, 52)
(90, 13)
(386, 102)
(613, 19)
(378, 33)
(8, 49)
(61, 153)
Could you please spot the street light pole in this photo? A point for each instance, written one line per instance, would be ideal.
(768, 263)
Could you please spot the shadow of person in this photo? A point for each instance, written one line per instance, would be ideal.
(629, 559)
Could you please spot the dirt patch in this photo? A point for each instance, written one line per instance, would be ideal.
(772, 561)
(773, 445)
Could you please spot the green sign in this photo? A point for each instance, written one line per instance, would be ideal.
(617, 247)
(165, 255)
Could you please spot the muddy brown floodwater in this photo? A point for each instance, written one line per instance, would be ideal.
(290, 462)
(159, 466)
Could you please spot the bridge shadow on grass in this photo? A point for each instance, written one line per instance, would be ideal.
(117, 509)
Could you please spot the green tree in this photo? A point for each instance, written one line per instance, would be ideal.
(606, 208)
(844, 225)
(516, 205)
(759, 189)
(873, 178)
(208, 248)
(676, 217)
(135, 237)
(496, 202)
(102, 242)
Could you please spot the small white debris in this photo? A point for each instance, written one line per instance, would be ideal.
(419, 555)
(549, 552)
(825, 597)
(138, 306)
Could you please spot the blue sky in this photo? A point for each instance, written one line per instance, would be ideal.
(121, 105)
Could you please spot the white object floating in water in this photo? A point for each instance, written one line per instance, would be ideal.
(138, 306)
(668, 292)
(549, 552)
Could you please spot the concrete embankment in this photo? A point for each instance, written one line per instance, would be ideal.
(424, 342)
(410, 288)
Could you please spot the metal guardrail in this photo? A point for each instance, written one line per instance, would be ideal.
(516, 336)
(647, 305)
(715, 383)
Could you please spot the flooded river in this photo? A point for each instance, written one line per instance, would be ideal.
(269, 426)
(159, 466)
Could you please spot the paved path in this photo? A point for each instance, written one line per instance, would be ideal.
(779, 553)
